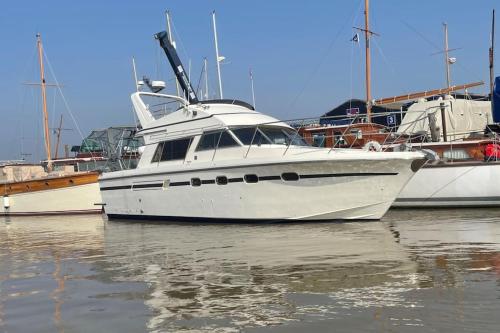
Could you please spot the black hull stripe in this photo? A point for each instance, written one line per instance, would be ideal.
(334, 175)
(239, 180)
(173, 219)
(147, 185)
(452, 199)
(180, 183)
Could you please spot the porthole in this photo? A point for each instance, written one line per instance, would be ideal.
(195, 182)
(251, 178)
(290, 176)
(221, 180)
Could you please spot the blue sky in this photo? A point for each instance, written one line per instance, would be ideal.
(300, 54)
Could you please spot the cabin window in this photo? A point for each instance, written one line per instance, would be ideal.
(245, 135)
(226, 140)
(221, 180)
(251, 178)
(290, 176)
(171, 150)
(209, 141)
(195, 182)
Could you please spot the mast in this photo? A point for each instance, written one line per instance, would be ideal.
(169, 30)
(59, 129)
(44, 101)
(368, 63)
(492, 54)
(217, 57)
(446, 56)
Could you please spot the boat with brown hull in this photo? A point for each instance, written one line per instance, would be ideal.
(61, 193)
(36, 189)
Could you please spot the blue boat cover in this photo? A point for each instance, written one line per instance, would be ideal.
(495, 101)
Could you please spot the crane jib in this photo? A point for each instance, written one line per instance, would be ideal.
(177, 67)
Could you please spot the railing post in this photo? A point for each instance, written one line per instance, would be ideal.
(253, 137)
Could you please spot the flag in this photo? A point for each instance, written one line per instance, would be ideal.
(355, 38)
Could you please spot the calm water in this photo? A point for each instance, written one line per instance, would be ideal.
(415, 271)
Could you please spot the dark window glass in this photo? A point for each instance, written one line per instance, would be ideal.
(221, 180)
(208, 141)
(251, 178)
(246, 134)
(290, 176)
(157, 155)
(226, 140)
(171, 150)
(195, 182)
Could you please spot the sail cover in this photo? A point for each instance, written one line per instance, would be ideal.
(495, 100)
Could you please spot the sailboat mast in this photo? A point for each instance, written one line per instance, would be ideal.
(446, 56)
(169, 31)
(44, 101)
(492, 53)
(368, 64)
(59, 129)
(217, 57)
(205, 65)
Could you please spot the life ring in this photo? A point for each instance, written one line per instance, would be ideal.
(372, 146)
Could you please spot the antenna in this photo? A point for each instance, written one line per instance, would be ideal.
(253, 91)
(205, 63)
(135, 75)
(169, 31)
(218, 58)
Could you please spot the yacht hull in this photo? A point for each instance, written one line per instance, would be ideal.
(325, 190)
(75, 194)
(453, 185)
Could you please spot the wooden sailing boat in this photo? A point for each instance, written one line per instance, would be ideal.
(27, 189)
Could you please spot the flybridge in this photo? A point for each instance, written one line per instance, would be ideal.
(183, 79)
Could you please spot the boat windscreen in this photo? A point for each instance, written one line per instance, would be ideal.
(269, 135)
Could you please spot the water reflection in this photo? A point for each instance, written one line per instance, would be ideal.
(88, 274)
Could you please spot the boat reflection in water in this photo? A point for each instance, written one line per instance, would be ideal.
(436, 270)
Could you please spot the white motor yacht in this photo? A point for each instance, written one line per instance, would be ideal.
(221, 160)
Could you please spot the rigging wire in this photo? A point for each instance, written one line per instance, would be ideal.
(358, 11)
(439, 49)
(323, 58)
(65, 102)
